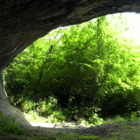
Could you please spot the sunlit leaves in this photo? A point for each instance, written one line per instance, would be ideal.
(88, 62)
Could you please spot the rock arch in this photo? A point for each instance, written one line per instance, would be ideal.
(24, 21)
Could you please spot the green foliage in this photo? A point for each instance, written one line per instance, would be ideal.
(90, 70)
(7, 125)
(116, 119)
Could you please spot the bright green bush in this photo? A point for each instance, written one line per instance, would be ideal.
(28, 105)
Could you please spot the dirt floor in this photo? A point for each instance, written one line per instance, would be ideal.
(112, 131)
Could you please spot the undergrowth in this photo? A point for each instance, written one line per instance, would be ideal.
(7, 125)
(118, 119)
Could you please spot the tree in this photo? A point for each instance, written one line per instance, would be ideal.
(93, 64)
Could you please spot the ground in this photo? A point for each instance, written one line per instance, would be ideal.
(110, 131)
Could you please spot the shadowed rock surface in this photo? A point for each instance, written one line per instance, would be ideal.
(24, 21)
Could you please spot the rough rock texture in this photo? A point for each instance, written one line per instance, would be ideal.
(24, 21)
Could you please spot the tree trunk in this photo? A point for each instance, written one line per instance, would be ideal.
(10, 111)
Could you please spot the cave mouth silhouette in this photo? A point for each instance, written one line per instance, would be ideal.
(23, 22)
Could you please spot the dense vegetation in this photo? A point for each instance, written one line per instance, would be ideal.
(87, 71)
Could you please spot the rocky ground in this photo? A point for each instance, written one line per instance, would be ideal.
(110, 131)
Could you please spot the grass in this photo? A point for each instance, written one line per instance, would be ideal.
(34, 117)
(119, 119)
(75, 136)
(7, 125)
(116, 119)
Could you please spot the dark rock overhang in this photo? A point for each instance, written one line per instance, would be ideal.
(24, 21)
